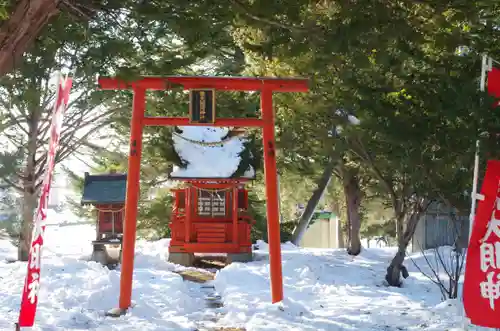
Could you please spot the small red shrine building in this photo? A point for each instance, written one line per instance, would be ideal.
(210, 212)
(106, 193)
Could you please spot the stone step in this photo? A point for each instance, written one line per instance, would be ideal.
(196, 276)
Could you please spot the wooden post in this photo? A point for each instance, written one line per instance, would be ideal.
(235, 214)
(112, 220)
(228, 207)
(97, 232)
(134, 168)
(270, 171)
(188, 213)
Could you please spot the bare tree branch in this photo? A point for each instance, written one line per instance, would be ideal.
(14, 139)
(66, 150)
(17, 122)
(71, 129)
(41, 169)
(77, 156)
(378, 173)
(12, 184)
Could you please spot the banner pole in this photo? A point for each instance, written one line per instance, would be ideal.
(29, 299)
(482, 88)
(474, 195)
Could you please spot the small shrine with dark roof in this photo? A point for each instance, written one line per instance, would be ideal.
(210, 213)
(106, 193)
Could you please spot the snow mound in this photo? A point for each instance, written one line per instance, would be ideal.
(75, 293)
(208, 161)
(326, 289)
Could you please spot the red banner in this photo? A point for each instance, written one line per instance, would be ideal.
(32, 282)
(494, 82)
(482, 268)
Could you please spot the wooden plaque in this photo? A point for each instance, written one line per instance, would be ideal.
(202, 106)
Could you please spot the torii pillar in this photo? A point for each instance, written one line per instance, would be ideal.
(266, 87)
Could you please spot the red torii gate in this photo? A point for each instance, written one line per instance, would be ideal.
(266, 86)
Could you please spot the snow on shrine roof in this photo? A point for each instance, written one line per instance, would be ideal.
(105, 188)
(198, 146)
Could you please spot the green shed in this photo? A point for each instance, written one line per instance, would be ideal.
(106, 193)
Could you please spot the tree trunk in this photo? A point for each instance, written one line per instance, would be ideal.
(29, 205)
(301, 227)
(400, 225)
(341, 234)
(30, 193)
(21, 29)
(353, 196)
(395, 268)
(410, 219)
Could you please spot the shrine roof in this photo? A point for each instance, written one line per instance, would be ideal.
(104, 189)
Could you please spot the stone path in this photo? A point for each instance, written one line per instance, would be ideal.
(202, 289)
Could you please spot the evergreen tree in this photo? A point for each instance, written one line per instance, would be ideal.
(396, 67)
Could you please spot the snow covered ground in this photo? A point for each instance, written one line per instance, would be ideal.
(324, 290)
(327, 290)
(76, 293)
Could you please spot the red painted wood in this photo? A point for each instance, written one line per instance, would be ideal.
(219, 83)
(242, 199)
(211, 234)
(272, 203)
(189, 213)
(203, 240)
(184, 121)
(214, 185)
(228, 206)
(104, 219)
(494, 82)
(213, 182)
(235, 215)
(132, 200)
(206, 248)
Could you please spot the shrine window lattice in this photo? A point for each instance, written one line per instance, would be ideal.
(211, 202)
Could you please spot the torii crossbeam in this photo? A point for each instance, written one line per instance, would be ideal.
(266, 87)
